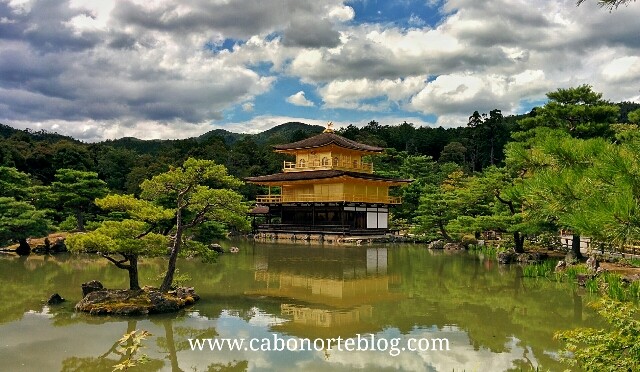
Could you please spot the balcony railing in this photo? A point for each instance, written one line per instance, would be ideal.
(331, 198)
(318, 165)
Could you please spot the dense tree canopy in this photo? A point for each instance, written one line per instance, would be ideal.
(197, 191)
(77, 190)
(579, 111)
(20, 220)
(123, 241)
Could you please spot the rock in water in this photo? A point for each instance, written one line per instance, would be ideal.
(55, 299)
(506, 257)
(453, 247)
(438, 244)
(136, 302)
(91, 286)
(23, 250)
(216, 247)
(59, 246)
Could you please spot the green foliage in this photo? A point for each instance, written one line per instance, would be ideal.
(579, 111)
(634, 116)
(572, 271)
(423, 170)
(129, 346)
(14, 183)
(614, 349)
(468, 240)
(612, 285)
(610, 197)
(136, 209)
(119, 237)
(458, 195)
(129, 237)
(209, 231)
(454, 152)
(183, 188)
(179, 279)
(548, 240)
(77, 191)
(626, 132)
(20, 220)
(539, 270)
(69, 224)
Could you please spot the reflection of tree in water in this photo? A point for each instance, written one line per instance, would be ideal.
(492, 304)
(109, 359)
(234, 366)
(176, 339)
(37, 277)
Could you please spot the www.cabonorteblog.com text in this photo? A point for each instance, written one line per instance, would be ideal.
(368, 342)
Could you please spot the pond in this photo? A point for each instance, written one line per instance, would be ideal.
(396, 296)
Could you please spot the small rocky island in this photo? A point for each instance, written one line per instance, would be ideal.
(148, 300)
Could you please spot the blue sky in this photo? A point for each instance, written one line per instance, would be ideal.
(166, 69)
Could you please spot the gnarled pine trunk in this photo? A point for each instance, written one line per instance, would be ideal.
(171, 267)
(133, 272)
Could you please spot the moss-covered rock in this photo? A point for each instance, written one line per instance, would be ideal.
(136, 302)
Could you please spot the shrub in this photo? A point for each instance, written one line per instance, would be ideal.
(614, 349)
(468, 240)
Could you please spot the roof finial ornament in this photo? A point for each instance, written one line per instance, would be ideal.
(329, 128)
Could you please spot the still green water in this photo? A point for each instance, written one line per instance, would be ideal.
(493, 318)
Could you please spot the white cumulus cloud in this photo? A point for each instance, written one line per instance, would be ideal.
(299, 99)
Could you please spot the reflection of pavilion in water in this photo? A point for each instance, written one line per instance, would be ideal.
(326, 290)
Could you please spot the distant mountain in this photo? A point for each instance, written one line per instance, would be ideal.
(143, 146)
(228, 137)
(283, 133)
(287, 132)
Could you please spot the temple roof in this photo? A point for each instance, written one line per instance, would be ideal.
(325, 139)
(320, 174)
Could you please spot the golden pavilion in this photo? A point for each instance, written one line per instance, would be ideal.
(329, 188)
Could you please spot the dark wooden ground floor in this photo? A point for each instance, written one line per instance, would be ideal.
(340, 218)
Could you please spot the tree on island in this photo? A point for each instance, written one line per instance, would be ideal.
(123, 242)
(197, 191)
(172, 203)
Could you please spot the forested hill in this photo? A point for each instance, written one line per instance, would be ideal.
(28, 134)
(291, 131)
(124, 163)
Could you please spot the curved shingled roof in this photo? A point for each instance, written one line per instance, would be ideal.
(324, 139)
(320, 174)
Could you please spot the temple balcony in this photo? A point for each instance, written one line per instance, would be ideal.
(353, 166)
(331, 198)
